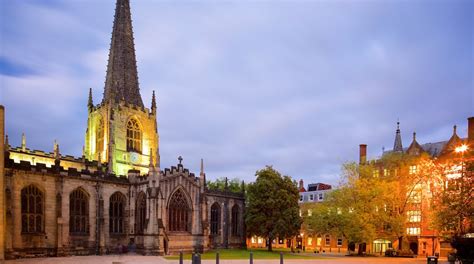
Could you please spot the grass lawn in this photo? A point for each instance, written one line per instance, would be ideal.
(245, 254)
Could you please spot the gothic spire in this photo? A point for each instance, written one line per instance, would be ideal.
(121, 82)
(90, 103)
(153, 101)
(397, 145)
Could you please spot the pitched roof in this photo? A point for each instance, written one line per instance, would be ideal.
(121, 81)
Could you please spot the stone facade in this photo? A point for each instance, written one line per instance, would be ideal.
(115, 197)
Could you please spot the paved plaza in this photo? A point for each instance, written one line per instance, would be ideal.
(127, 259)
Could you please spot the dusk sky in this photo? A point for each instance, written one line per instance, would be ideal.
(244, 84)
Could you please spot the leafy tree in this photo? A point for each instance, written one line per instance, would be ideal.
(272, 206)
(234, 184)
(452, 200)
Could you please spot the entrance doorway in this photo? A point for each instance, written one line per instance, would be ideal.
(414, 247)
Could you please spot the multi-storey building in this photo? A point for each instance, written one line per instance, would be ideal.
(116, 195)
(420, 236)
(307, 240)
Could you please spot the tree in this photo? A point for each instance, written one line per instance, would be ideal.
(234, 184)
(452, 200)
(272, 206)
(361, 209)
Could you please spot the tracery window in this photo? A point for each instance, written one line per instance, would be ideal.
(235, 220)
(99, 137)
(140, 215)
(79, 212)
(117, 213)
(179, 212)
(134, 136)
(215, 218)
(32, 210)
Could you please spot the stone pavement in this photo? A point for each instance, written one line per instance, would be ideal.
(135, 259)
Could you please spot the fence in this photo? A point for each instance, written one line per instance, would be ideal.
(196, 258)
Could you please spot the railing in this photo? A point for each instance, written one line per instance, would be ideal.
(196, 258)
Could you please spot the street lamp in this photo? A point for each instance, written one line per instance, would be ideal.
(461, 149)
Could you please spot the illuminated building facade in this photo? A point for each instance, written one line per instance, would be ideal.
(420, 236)
(115, 197)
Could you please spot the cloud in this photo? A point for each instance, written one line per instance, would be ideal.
(297, 85)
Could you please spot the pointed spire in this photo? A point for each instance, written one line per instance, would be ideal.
(454, 130)
(23, 142)
(202, 167)
(121, 81)
(153, 102)
(397, 145)
(7, 145)
(56, 149)
(90, 103)
(242, 187)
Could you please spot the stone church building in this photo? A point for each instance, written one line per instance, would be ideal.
(116, 196)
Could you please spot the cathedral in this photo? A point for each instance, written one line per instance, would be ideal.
(115, 197)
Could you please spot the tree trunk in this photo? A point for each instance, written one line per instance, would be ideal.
(400, 241)
(270, 240)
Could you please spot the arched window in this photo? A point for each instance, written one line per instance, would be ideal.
(79, 212)
(99, 136)
(32, 210)
(134, 136)
(117, 213)
(179, 212)
(235, 220)
(215, 218)
(140, 214)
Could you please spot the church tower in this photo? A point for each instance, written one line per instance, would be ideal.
(120, 130)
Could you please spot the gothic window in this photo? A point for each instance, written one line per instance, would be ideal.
(215, 218)
(79, 212)
(32, 210)
(134, 136)
(235, 220)
(140, 214)
(179, 212)
(99, 137)
(117, 213)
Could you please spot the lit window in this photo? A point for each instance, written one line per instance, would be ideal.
(414, 216)
(412, 169)
(134, 136)
(339, 211)
(351, 210)
(301, 213)
(253, 240)
(260, 240)
(413, 230)
(375, 173)
(339, 242)
(318, 241)
(310, 241)
(386, 172)
(310, 212)
(415, 197)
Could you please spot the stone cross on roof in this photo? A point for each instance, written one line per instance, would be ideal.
(180, 159)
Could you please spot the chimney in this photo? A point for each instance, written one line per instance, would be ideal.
(301, 184)
(362, 153)
(470, 130)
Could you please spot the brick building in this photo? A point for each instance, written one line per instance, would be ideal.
(116, 196)
(420, 236)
